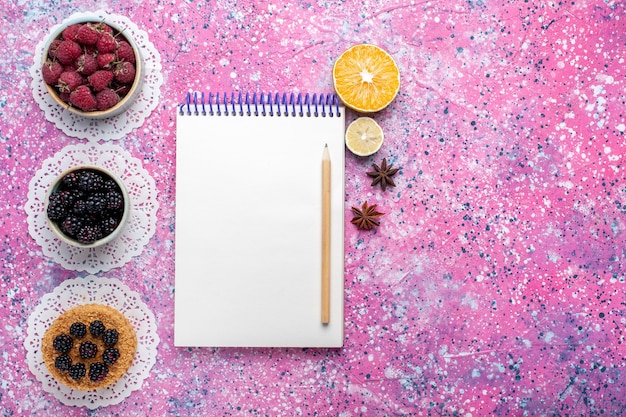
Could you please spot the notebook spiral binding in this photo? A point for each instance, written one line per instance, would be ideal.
(238, 104)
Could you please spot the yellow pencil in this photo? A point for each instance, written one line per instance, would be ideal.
(326, 236)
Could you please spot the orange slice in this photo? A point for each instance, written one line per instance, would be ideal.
(364, 136)
(366, 78)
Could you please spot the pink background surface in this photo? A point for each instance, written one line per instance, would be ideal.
(495, 283)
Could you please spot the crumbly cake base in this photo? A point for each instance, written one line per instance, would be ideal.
(112, 319)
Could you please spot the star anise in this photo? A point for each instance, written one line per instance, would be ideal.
(382, 174)
(366, 217)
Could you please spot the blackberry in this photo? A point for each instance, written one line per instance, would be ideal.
(114, 200)
(63, 363)
(96, 328)
(88, 350)
(98, 371)
(110, 185)
(68, 197)
(78, 330)
(89, 233)
(96, 203)
(110, 337)
(57, 210)
(90, 181)
(80, 207)
(63, 343)
(77, 371)
(108, 225)
(110, 356)
(72, 224)
(70, 180)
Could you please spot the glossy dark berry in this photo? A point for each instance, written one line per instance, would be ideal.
(78, 330)
(96, 328)
(114, 200)
(89, 233)
(63, 363)
(109, 185)
(72, 224)
(69, 197)
(110, 355)
(98, 371)
(70, 180)
(110, 337)
(63, 343)
(96, 204)
(90, 181)
(109, 225)
(56, 210)
(88, 350)
(80, 208)
(77, 371)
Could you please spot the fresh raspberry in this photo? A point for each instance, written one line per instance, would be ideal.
(100, 79)
(69, 33)
(51, 72)
(105, 61)
(106, 99)
(83, 98)
(125, 73)
(52, 49)
(102, 27)
(64, 96)
(90, 50)
(68, 51)
(87, 35)
(86, 64)
(122, 89)
(106, 43)
(69, 81)
(125, 52)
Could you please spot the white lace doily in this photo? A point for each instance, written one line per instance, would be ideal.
(107, 291)
(113, 127)
(139, 228)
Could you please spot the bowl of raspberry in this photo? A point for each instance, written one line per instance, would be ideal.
(93, 69)
(87, 206)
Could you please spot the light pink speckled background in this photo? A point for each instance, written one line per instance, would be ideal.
(496, 282)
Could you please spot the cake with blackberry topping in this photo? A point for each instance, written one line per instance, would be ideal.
(89, 346)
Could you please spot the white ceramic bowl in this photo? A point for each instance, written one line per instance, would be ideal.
(126, 101)
(122, 220)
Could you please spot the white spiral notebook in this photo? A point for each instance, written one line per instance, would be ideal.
(249, 220)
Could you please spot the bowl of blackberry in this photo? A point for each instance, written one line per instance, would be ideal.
(93, 69)
(87, 206)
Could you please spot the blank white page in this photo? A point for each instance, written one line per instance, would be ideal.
(248, 230)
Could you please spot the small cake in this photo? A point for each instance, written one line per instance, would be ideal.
(89, 346)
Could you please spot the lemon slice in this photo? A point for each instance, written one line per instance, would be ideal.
(366, 78)
(364, 136)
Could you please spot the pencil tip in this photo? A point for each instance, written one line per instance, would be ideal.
(326, 145)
